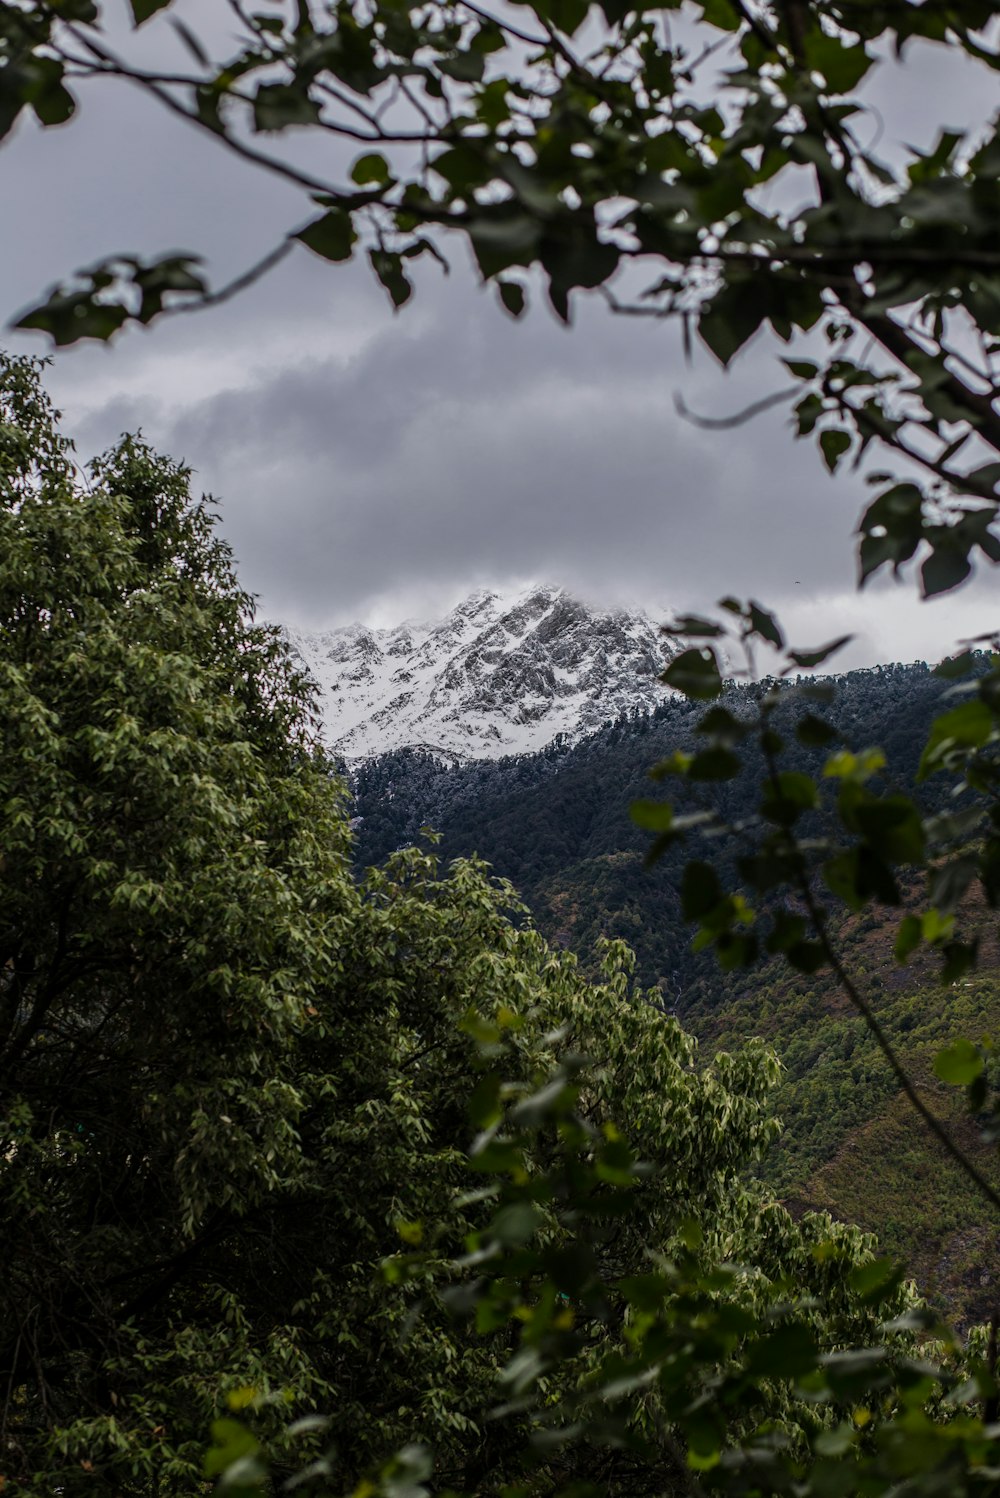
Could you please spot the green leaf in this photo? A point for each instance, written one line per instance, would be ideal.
(13, 98)
(964, 728)
(833, 445)
(892, 528)
(652, 816)
(695, 673)
(694, 626)
(853, 1373)
(715, 763)
(234, 1457)
(765, 625)
(69, 316)
(496, 1156)
(960, 957)
(331, 235)
(574, 256)
(464, 67)
(836, 1441)
(484, 1101)
(808, 412)
(566, 15)
(731, 319)
(956, 665)
(803, 369)
(243, 1398)
(936, 926)
(513, 298)
(946, 567)
(207, 102)
(891, 825)
(646, 1292)
(503, 237)
(787, 1353)
(280, 105)
(787, 796)
(735, 950)
(371, 168)
(989, 473)
(948, 882)
(814, 732)
(722, 14)
(143, 9)
(706, 1433)
(908, 937)
(54, 107)
(388, 266)
(875, 1282)
(843, 64)
(51, 101)
(700, 890)
(464, 167)
(854, 767)
(809, 658)
(786, 931)
(806, 956)
(958, 1064)
(515, 1223)
(844, 879)
(723, 724)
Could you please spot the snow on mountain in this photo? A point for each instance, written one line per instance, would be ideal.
(499, 675)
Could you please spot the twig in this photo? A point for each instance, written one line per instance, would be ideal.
(726, 423)
(991, 1406)
(522, 36)
(239, 283)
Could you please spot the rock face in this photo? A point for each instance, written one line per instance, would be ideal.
(499, 675)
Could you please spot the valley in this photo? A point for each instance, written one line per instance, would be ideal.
(556, 824)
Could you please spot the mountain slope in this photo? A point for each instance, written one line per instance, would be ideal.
(557, 824)
(496, 676)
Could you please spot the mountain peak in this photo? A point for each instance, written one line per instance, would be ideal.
(497, 675)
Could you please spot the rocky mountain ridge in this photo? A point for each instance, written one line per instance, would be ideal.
(498, 675)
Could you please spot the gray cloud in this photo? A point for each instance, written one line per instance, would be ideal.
(461, 445)
(365, 461)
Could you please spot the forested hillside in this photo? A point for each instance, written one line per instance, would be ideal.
(557, 824)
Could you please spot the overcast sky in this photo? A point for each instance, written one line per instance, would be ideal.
(371, 465)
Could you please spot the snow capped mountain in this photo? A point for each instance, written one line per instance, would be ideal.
(499, 675)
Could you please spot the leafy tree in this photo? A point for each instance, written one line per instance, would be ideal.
(166, 823)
